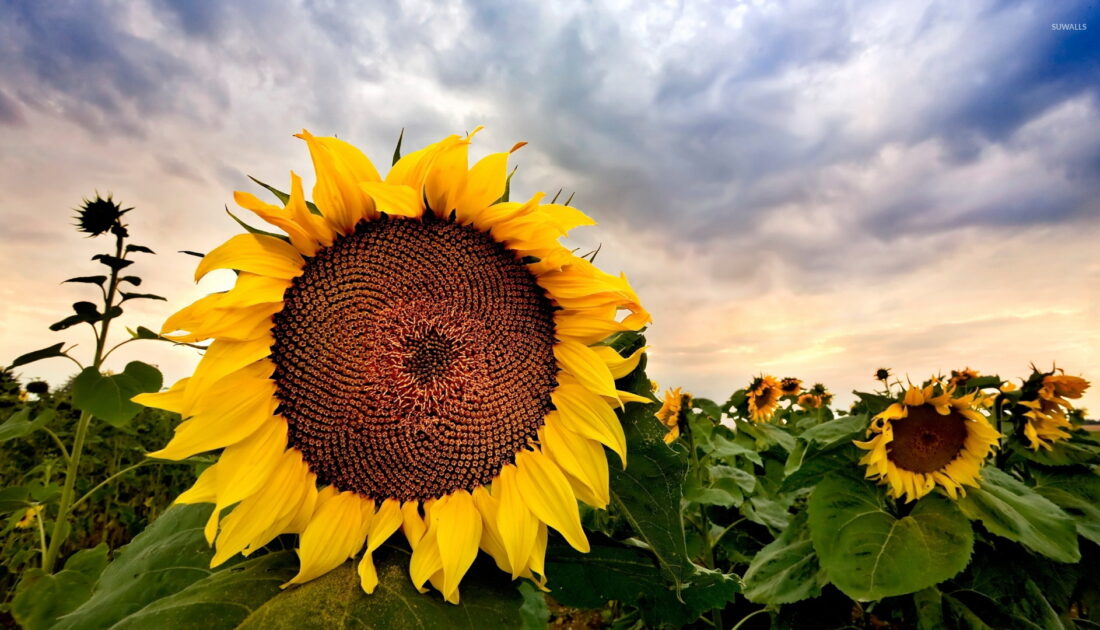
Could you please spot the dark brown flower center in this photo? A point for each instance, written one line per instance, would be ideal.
(926, 441)
(413, 359)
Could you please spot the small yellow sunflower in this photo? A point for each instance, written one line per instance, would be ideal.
(763, 397)
(962, 377)
(416, 354)
(929, 437)
(671, 412)
(1047, 420)
(28, 517)
(790, 386)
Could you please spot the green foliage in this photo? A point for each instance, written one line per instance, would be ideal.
(869, 553)
(786, 570)
(107, 396)
(1009, 508)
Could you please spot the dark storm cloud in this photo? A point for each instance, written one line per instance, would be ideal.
(75, 60)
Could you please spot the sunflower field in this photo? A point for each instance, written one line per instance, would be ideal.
(417, 408)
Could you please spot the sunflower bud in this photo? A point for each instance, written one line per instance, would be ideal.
(100, 215)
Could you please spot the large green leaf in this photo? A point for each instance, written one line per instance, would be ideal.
(786, 570)
(41, 598)
(335, 600)
(648, 492)
(869, 553)
(170, 555)
(223, 599)
(107, 396)
(1009, 508)
(1078, 494)
(615, 572)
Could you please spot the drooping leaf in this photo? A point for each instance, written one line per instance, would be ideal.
(335, 600)
(1011, 509)
(869, 553)
(145, 296)
(970, 610)
(20, 425)
(1078, 494)
(721, 446)
(191, 253)
(45, 353)
(88, 280)
(41, 598)
(113, 262)
(143, 333)
(108, 396)
(929, 605)
(134, 280)
(786, 570)
(138, 248)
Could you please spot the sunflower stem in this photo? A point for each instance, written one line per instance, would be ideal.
(65, 504)
(41, 536)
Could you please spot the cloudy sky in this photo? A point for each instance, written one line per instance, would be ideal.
(801, 189)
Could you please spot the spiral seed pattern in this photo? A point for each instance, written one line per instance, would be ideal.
(925, 441)
(413, 358)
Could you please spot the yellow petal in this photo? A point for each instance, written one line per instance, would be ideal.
(204, 490)
(583, 363)
(262, 512)
(394, 199)
(459, 533)
(171, 400)
(580, 457)
(515, 522)
(256, 253)
(382, 526)
(445, 182)
(547, 493)
(302, 240)
(491, 541)
(484, 185)
(616, 363)
(586, 414)
(341, 168)
(332, 537)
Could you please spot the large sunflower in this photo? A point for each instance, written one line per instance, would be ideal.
(929, 437)
(415, 354)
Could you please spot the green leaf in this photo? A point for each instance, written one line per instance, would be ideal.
(721, 446)
(143, 333)
(191, 253)
(45, 353)
(843, 429)
(1078, 494)
(1010, 509)
(335, 600)
(929, 605)
(507, 187)
(139, 296)
(648, 492)
(252, 230)
(139, 248)
(222, 599)
(768, 435)
(40, 598)
(18, 425)
(14, 498)
(108, 396)
(970, 610)
(113, 262)
(134, 280)
(1077, 450)
(170, 555)
(721, 492)
(88, 280)
(786, 570)
(769, 512)
(615, 572)
(535, 613)
(869, 553)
